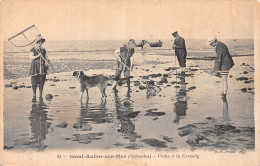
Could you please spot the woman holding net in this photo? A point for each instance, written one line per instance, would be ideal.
(39, 66)
(40, 61)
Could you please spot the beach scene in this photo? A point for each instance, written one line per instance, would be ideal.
(186, 113)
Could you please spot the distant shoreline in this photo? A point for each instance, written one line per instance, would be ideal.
(125, 40)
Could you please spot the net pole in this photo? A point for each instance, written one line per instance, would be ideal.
(135, 73)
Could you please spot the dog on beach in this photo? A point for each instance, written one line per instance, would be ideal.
(87, 82)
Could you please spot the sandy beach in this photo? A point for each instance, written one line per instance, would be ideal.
(188, 113)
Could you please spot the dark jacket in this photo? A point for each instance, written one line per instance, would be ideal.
(180, 49)
(224, 60)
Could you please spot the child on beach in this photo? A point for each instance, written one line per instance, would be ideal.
(39, 67)
(180, 51)
(124, 55)
(223, 62)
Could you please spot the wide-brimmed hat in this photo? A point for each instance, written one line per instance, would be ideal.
(39, 38)
(211, 39)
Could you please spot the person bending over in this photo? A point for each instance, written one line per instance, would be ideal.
(223, 62)
(125, 53)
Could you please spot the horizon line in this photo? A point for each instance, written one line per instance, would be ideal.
(137, 39)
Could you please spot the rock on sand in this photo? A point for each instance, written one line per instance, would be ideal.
(154, 142)
(86, 127)
(62, 125)
(48, 96)
(212, 133)
(8, 85)
(15, 87)
(136, 83)
(141, 87)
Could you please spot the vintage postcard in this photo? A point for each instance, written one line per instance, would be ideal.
(129, 82)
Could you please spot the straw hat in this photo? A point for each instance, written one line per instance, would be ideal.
(39, 38)
(211, 39)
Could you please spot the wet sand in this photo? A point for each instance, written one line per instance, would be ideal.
(135, 120)
(12, 70)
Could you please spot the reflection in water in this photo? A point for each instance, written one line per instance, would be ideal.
(180, 106)
(225, 113)
(39, 124)
(89, 113)
(124, 113)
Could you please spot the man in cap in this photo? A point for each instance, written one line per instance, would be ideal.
(223, 62)
(124, 55)
(39, 66)
(180, 51)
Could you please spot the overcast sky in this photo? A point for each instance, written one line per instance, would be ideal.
(119, 19)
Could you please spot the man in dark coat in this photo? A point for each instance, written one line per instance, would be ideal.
(223, 62)
(180, 51)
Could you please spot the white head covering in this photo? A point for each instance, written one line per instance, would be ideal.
(211, 39)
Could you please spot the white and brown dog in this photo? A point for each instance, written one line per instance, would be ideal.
(87, 82)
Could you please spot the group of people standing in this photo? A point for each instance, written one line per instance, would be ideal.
(125, 61)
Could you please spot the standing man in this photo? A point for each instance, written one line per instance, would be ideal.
(124, 55)
(180, 51)
(223, 63)
(39, 67)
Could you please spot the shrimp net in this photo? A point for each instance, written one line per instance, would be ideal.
(24, 39)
